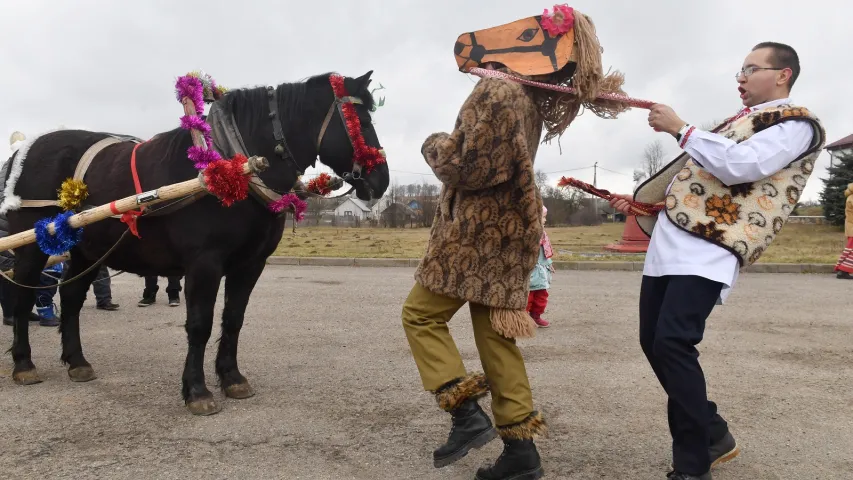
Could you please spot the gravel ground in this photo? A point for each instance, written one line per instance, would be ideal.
(339, 397)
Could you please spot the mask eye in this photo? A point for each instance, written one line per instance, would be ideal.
(528, 34)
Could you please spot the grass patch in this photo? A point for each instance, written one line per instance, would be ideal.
(795, 244)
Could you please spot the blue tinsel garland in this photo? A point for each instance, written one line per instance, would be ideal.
(64, 238)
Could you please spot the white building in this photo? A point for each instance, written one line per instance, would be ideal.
(353, 207)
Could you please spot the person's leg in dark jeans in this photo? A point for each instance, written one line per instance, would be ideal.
(103, 292)
(173, 290)
(149, 295)
(673, 311)
(44, 296)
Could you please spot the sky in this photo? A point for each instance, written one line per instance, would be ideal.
(111, 66)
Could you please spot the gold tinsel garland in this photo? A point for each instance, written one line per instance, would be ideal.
(72, 193)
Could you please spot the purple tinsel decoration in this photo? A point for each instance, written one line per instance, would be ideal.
(62, 240)
(286, 201)
(201, 157)
(189, 122)
(191, 87)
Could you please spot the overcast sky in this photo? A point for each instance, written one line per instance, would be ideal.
(111, 66)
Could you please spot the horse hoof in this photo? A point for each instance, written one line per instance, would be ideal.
(239, 391)
(26, 377)
(82, 374)
(203, 407)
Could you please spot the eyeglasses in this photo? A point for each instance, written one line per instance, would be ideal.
(750, 70)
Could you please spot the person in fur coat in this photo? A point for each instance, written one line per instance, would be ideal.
(485, 238)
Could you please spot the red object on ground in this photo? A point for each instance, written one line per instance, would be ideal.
(633, 239)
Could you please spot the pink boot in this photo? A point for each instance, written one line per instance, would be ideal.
(541, 322)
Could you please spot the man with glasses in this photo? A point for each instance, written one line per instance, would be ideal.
(725, 199)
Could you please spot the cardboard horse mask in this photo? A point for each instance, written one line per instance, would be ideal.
(537, 45)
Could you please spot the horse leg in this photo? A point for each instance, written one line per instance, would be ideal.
(72, 297)
(238, 287)
(29, 262)
(202, 285)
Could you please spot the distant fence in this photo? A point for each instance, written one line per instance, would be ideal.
(807, 219)
(351, 221)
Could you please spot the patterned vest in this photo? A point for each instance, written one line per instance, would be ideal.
(744, 218)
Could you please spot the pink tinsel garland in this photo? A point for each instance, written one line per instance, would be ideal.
(292, 202)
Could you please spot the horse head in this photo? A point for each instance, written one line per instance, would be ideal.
(346, 140)
(292, 124)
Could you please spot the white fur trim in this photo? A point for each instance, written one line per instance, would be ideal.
(12, 201)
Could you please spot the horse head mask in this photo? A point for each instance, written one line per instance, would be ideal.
(559, 48)
(537, 45)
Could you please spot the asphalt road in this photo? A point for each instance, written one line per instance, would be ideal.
(339, 397)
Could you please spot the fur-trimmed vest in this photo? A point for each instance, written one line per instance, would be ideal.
(485, 237)
(744, 218)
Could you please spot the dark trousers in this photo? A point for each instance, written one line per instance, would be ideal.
(48, 280)
(673, 310)
(173, 288)
(101, 287)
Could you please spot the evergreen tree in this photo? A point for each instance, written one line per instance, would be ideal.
(832, 197)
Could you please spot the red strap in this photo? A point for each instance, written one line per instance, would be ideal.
(133, 170)
(130, 217)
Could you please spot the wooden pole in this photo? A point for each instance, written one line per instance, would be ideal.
(153, 197)
(51, 261)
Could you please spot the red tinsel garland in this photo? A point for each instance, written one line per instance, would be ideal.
(637, 208)
(320, 185)
(226, 180)
(366, 156)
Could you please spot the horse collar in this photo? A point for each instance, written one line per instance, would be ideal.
(281, 148)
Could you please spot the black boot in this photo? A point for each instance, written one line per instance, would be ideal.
(471, 429)
(519, 461)
(684, 476)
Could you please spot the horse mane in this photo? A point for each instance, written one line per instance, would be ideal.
(243, 102)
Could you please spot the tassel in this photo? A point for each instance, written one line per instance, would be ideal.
(512, 323)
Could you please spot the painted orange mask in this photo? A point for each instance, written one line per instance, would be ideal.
(537, 45)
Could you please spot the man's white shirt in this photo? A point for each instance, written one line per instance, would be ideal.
(672, 251)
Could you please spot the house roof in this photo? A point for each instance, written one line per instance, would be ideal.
(358, 203)
(843, 143)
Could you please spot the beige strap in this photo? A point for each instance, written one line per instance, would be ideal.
(86, 159)
(38, 203)
(79, 172)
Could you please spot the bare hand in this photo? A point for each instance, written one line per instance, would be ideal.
(664, 119)
(620, 203)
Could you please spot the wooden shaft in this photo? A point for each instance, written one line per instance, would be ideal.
(162, 194)
(51, 261)
(189, 109)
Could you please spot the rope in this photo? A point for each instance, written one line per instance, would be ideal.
(92, 267)
(634, 102)
(637, 208)
(100, 260)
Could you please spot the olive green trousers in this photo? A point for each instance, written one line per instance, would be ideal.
(425, 317)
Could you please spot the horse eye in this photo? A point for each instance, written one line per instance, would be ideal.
(528, 34)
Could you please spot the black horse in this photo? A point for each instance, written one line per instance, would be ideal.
(203, 241)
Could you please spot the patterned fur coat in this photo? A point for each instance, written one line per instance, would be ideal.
(485, 237)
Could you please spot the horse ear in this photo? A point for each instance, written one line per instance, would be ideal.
(364, 80)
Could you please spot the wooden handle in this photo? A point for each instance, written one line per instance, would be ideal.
(162, 194)
(189, 109)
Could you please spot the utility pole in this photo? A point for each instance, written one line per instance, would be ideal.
(595, 184)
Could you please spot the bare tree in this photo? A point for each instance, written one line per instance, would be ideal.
(541, 179)
(710, 125)
(653, 158)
